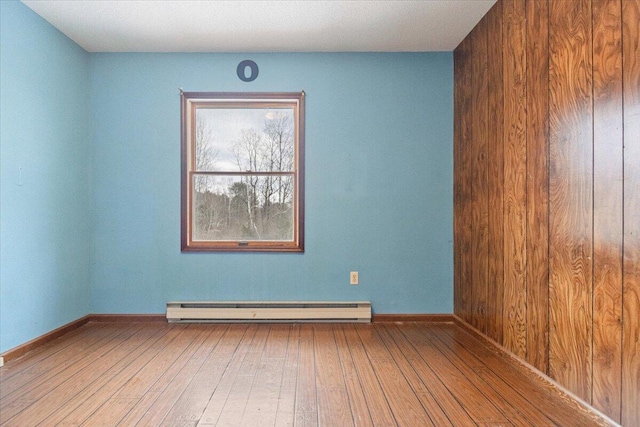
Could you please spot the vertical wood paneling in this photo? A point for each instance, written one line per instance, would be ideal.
(537, 183)
(607, 205)
(495, 155)
(515, 158)
(479, 250)
(631, 292)
(465, 138)
(457, 181)
(562, 284)
(571, 195)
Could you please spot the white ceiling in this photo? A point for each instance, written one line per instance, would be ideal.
(263, 26)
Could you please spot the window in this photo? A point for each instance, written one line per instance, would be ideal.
(242, 171)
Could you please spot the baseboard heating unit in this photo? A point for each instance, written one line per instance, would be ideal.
(268, 311)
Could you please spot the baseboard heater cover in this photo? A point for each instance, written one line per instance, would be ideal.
(268, 311)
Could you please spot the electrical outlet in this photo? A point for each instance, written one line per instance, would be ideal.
(353, 278)
(1, 362)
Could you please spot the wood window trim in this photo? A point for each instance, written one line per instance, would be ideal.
(188, 101)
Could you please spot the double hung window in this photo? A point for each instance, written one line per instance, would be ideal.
(242, 171)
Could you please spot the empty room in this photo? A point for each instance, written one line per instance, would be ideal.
(320, 213)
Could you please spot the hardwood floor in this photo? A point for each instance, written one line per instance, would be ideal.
(379, 374)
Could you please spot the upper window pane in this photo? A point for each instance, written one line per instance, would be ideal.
(244, 139)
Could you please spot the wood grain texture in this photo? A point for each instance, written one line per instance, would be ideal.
(407, 409)
(33, 365)
(564, 290)
(357, 399)
(123, 394)
(262, 404)
(92, 397)
(472, 400)
(631, 296)
(191, 404)
(458, 99)
(379, 409)
(385, 374)
(464, 137)
(445, 397)
(571, 196)
(286, 401)
(333, 401)
(607, 206)
(515, 163)
(223, 389)
(306, 409)
(239, 398)
(490, 386)
(495, 184)
(537, 252)
(479, 177)
(51, 382)
(23, 349)
(420, 389)
(561, 412)
(50, 392)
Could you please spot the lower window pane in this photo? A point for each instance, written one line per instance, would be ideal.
(242, 208)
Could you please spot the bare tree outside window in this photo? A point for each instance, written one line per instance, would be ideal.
(242, 171)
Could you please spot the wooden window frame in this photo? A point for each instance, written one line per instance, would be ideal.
(189, 101)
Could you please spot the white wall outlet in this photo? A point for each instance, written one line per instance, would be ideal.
(1, 362)
(353, 277)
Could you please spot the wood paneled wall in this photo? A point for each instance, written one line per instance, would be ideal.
(547, 191)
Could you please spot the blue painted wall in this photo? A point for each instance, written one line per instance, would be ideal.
(45, 224)
(92, 224)
(378, 182)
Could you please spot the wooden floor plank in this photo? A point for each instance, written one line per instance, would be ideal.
(515, 407)
(306, 409)
(333, 402)
(145, 345)
(130, 392)
(77, 384)
(379, 409)
(69, 371)
(173, 383)
(381, 374)
(437, 386)
(50, 348)
(193, 401)
(262, 403)
(406, 408)
(138, 374)
(559, 409)
(422, 392)
(219, 397)
(285, 412)
(53, 360)
(238, 398)
(165, 364)
(359, 409)
(472, 399)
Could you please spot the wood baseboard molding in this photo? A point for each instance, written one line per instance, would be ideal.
(128, 318)
(384, 317)
(532, 371)
(21, 350)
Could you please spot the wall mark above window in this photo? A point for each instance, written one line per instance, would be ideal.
(242, 70)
